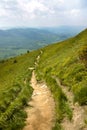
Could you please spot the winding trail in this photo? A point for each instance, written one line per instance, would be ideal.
(41, 116)
(79, 114)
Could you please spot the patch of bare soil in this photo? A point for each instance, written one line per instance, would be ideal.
(79, 114)
(41, 116)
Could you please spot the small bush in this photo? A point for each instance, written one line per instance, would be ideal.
(28, 51)
(15, 61)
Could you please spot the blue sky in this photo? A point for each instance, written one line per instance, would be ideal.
(35, 13)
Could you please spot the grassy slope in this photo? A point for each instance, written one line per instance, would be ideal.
(68, 61)
(14, 94)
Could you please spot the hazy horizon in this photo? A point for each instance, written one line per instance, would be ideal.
(42, 27)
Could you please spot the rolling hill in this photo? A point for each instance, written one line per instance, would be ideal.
(63, 66)
(18, 40)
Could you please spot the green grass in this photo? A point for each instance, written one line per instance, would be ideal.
(14, 94)
(66, 60)
(63, 60)
(61, 107)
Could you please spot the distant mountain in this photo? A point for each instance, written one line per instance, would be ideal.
(18, 40)
(26, 38)
(66, 31)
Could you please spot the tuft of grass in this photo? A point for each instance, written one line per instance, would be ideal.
(81, 93)
(61, 106)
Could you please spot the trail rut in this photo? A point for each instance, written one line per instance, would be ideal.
(79, 115)
(41, 116)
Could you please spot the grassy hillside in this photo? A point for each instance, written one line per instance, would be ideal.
(68, 62)
(15, 90)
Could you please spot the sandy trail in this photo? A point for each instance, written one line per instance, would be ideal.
(79, 114)
(41, 116)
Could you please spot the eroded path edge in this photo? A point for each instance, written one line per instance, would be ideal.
(41, 116)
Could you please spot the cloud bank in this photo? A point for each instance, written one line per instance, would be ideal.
(33, 13)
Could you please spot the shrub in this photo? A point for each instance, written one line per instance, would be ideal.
(28, 51)
(15, 61)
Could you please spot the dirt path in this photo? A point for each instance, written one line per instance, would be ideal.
(41, 114)
(79, 114)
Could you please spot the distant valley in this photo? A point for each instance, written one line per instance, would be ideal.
(19, 40)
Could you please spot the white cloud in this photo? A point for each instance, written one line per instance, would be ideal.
(33, 9)
(42, 12)
(75, 12)
(3, 12)
(31, 6)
